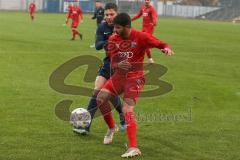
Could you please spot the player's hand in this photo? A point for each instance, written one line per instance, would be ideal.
(153, 24)
(125, 65)
(64, 25)
(167, 51)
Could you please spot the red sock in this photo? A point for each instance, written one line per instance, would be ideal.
(109, 120)
(73, 33)
(131, 129)
(148, 52)
(107, 114)
(77, 32)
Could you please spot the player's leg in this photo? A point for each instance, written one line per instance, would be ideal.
(148, 29)
(116, 101)
(149, 55)
(111, 88)
(105, 108)
(105, 71)
(103, 76)
(79, 34)
(32, 15)
(93, 45)
(128, 110)
(73, 32)
(92, 106)
(132, 90)
(128, 106)
(76, 31)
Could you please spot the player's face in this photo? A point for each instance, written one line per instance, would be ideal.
(97, 4)
(147, 2)
(110, 14)
(75, 4)
(120, 30)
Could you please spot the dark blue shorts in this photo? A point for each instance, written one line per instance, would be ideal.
(105, 70)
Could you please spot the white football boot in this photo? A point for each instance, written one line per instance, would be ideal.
(109, 135)
(131, 152)
(150, 61)
(92, 46)
(81, 131)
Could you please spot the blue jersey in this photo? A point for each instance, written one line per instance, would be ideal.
(99, 15)
(104, 31)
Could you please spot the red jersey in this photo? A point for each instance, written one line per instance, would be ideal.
(132, 49)
(149, 15)
(32, 7)
(76, 12)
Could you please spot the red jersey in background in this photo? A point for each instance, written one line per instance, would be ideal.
(32, 8)
(149, 18)
(76, 14)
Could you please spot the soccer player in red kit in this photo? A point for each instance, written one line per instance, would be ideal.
(149, 15)
(31, 9)
(126, 50)
(69, 14)
(77, 17)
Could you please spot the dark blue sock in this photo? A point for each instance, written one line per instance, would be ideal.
(92, 108)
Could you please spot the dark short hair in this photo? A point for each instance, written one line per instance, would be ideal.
(122, 19)
(111, 6)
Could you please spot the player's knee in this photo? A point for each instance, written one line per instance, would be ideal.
(129, 102)
(127, 107)
(124, 110)
(101, 98)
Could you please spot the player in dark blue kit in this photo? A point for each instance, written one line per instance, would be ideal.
(98, 15)
(98, 12)
(104, 31)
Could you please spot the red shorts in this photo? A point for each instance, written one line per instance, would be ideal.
(129, 87)
(148, 29)
(74, 24)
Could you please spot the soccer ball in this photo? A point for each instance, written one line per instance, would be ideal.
(80, 118)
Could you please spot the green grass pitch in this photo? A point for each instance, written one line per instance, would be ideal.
(204, 72)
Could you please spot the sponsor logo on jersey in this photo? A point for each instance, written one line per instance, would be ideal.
(125, 54)
(145, 14)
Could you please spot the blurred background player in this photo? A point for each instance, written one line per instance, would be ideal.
(104, 31)
(31, 9)
(149, 15)
(69, 14)
(98, 15)
(126, 51)
(77, 17)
